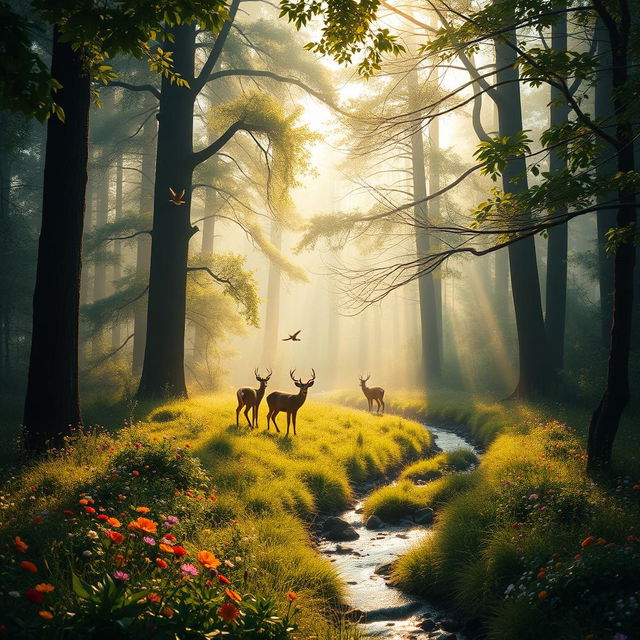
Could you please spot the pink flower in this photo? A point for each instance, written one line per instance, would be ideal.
(149, 540)
(533, 496)
(121, 575)
(189, 569)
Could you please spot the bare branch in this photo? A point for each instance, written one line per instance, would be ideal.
(136, 87)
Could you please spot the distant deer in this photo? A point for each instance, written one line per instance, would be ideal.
(279, 401)
(251, 399)
(372, 393)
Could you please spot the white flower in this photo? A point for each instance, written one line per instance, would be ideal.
(87, 553)
(92, 534)
(509, 589)
(14, 594)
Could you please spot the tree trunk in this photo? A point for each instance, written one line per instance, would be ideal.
(534, 373)
(556, 300)
(143, 246)
(163, 367)
(52, 404)
(606, 417)
(101, 176)
(272, 312)
(5, 315)
(605, 166)
(116, 337)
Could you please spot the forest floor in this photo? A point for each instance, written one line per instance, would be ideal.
(526, 543)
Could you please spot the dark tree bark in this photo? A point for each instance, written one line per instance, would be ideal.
(606, 417)
(163, 367)
(143, 245)
(116, 338)
(556, 300)
(534, 371)
(5, 311)
(605, 166)
(52, 403)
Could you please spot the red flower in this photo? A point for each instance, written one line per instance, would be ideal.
(29, 566)
(229, 612)
(587, 541)
(179, 551)
(115, 537)
(161, 563)
(223, 580)
(233, 595)
(20, 545)
(34, 596)
(292, 595)
(90, 510)
(102, 516)
(68, 512)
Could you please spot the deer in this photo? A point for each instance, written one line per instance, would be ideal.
(289, 402)
(251, 399)
(372, 393)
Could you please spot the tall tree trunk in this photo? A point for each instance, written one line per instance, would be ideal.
(605, 166)
(556, 299)
(52, 403)
(606, 417)
(116, 337)
(272, 313)
(102, 175)
(143, 245)
(534, 373)
(429, 308)
(163, 367)
(5, 322)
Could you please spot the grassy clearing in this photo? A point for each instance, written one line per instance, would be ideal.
(244, 495)
(440, 465)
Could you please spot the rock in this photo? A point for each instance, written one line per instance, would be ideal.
(451, 626)
(427, 624)
(401, 612)
(384, 569)
(423, 516)
(405, 522)
(373, 522)
(339, 530)
(359, 510)
(352, 582)
(403, 536)
(343, 550)
(355, 615)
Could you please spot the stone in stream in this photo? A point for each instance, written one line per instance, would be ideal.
(374, 522)
(384, 569)
(427, 624)
(338, 530)
(423, 516)
(451, 626)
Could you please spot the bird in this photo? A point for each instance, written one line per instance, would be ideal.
(176, 198)
(293, 336)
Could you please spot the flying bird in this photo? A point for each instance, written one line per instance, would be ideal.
(293, 337)
(176, 198)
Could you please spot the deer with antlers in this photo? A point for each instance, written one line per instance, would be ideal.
(251, 398)
(372, 393)
(289, 402)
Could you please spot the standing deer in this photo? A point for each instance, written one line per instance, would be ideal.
(251, 399)
(279, 401)
(372, 393)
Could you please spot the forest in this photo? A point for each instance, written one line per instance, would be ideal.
(319, 319)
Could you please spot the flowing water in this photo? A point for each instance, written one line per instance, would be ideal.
(391, 614)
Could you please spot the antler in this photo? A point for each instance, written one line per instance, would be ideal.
(255, 372)
(269, 373)
(313, 376)
(291, 372)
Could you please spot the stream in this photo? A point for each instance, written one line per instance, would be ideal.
(389, 613)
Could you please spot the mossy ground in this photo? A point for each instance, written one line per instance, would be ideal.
(268, 487)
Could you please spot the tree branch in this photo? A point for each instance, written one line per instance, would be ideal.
(204, 154)
(213, 275)
(136, 87)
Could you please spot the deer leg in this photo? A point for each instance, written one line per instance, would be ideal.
(370, 404)
(288, 422)
(294, 422)
(246, 414)
(273, 419)
(382, 400)
(378, 409)
(238, 412)
(255, 416)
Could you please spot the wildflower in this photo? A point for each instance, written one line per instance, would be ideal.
(172, 520)
(68, 512)
(234, 595)
(292, 595)
(587, 541)
(14, 594)
(20, 545)
(179, 551)
(90, 510)
(168, 612)
(92, 534)
(87, 554)
(189, 569)
(143, 509)
(149, 540)
(29, 566)
(114, 536)
(102, 516)
(533, 496)
(37, 520)
(114, 522)
(229, 612)
(34, 596)
(166, 548)
(144, 524)
(208, 560)
(45, 615)
(161, 563)
(223, 579)
(168, 539)
(119, 560)
(135, 473)
(542, 595)
(83, 501)
(154, 597)
(121, 575)
(44, 587)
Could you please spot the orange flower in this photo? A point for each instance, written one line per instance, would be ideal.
(119, 560)
(143, 509)
(168, 612)
(44, 587)
(166, 548)
(161, 563)
(29, 566)
(144, 524)
(208, 560)
(292, 595)
(115, 537)
(541, 575)
(114, 522)
(154, 597)
(229, 612)
(542, 595)
(45, 615)
(20, 545)
(233, 595)
(83, 501)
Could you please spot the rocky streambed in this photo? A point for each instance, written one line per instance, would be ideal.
(365, 563)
